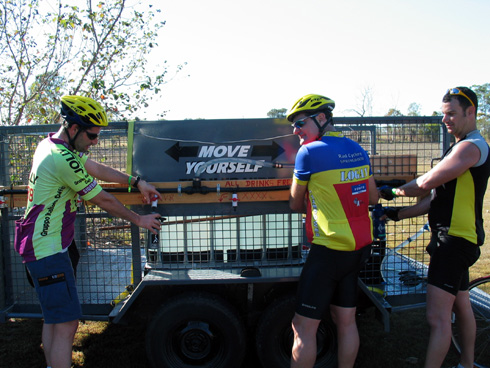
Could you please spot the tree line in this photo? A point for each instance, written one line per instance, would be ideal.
(483, 115)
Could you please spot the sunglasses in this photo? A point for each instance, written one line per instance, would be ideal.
(457, 91)
(300, 123)
(92, 136)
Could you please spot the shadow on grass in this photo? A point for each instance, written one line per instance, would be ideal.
(101, 344)
(403, 347)
(117, 346)
(20, 341)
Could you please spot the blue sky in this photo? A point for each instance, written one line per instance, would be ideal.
(245, 58)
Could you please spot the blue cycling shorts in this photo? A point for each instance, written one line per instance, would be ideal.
(56, 288)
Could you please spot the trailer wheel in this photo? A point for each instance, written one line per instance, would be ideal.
(274, 337)
(196, 330)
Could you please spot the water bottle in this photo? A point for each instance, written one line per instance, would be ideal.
(379, 226)
(154, 239)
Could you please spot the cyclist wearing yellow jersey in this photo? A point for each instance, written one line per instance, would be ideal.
(457, 186)
(61, 171)
(333, 185)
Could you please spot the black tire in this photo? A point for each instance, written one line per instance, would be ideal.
(196, 330)
(274, 337)
(480, 302)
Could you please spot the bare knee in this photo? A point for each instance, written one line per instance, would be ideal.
(343, 316)
(304, 328)
(67, 329)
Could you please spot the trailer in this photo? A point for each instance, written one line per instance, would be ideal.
(219, 280)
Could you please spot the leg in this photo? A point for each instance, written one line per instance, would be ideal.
(47, 338)
(304, 345)
(58, 343)
(348, 335)
(466, 326)
(60, 306)
(439, 307)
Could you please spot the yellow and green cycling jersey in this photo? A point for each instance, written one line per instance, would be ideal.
(58, 176)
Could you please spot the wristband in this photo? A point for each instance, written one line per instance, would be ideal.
(129, 182)
(393, 191)
(135, 185)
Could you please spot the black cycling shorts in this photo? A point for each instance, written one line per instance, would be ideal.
(329, 277)
(451, 258)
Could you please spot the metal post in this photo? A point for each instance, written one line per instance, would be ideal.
(6, 290)
(136, 253)
(4, 171)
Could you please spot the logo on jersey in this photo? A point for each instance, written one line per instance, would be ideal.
(359, 188)
(355, 174)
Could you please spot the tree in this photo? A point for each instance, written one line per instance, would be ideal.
(413, 109)
(483, 93)
(364, 103)
(483, 116)
(277, 113)
(100, 50)
(394, 112)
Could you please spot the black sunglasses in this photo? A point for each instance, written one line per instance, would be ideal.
(300, 123)
(92, 136)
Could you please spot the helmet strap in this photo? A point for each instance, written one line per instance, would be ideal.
(321, 129)
(71, 141)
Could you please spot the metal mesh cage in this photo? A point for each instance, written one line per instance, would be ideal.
(115, 255)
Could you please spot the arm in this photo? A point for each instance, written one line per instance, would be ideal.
(462, 157)
(421, 208)
(110, 175)
(373, 191)
(400, 213)
(110, 204)
(297, 197)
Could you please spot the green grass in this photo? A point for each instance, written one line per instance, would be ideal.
(105, 345)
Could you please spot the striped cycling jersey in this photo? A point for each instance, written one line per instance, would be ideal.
(456, 206)
(57, 176)
(336, 171)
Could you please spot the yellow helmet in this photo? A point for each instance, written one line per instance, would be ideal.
(310, 103)
(83, 111)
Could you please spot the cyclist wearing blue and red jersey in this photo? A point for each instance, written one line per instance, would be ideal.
(60, 173)
(333, 184)
(453, 194)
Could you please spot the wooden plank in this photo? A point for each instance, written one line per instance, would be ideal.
(394, 178)
(252, 183)
(394, 165)
(135, 198)
(216, 196)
